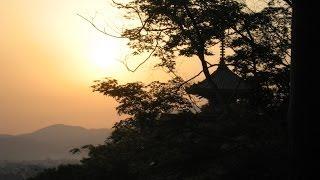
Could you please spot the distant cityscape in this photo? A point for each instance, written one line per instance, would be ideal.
(23, 156)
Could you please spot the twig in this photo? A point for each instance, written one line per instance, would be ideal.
(144, 61)
(100, 30)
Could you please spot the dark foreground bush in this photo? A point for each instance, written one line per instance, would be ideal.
(186, 146)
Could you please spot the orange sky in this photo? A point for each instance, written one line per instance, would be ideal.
(49, 57)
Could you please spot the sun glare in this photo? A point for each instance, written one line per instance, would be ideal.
(103, 54)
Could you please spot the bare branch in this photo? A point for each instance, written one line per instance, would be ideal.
(97, 28)
(289, 2)
(143, 22)
(193, 102)
(144, 61)
(195, 76)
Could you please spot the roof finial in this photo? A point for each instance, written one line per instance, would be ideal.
(222, 50)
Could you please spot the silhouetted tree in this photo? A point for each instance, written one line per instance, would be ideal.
(162, 138)
(302, 129)
(262, 53)
(146, 102)
(261, 40)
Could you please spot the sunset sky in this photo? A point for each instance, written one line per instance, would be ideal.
(50, 57)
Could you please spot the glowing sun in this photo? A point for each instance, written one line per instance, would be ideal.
(104, 54)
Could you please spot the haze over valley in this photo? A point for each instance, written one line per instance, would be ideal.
(52, 142)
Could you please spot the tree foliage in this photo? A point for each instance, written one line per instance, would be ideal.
(260, 40)
(146, 102)
(152, 99)
(162, 139)
(262, 53)
(186, 146)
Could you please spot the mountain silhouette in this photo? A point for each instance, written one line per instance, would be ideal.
(53, 142)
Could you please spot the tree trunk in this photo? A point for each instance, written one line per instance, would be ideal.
(302, 85)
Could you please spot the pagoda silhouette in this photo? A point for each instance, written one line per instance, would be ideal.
(228, 85)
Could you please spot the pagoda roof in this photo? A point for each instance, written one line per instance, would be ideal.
(224, 78)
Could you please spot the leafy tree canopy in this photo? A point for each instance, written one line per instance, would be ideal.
(153, 99)
(260, 40)
(188, 146)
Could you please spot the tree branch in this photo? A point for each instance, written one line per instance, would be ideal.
(185, 82)
(144, 61)
(289, 2)
(100, 30)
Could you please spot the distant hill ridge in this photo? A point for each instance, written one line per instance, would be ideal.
(5, 135)
(53, 142)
